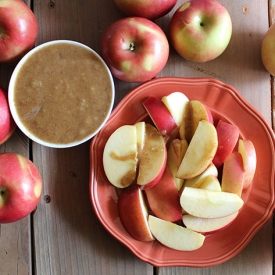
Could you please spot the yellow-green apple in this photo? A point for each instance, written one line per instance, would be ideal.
(164, 199)
(247, 150)
(120, 156)
(7, 124)
(20, 187)
(233, 174)
(153, 158)
(176, 103)
(211, 170)
(200, 30)
(207, 226)
(200, 151)
(268, 50)
(135, 49)
(140, 135)
(175, 236)
(133, 213)
(176, 150)
(209, 204)
(194, 112)
(18, 30)
(208, 182)
(160, 115)
(228, 135)
(148, 9)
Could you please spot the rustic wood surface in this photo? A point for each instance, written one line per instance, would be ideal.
(63, 236)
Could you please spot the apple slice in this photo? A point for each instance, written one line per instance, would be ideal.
(160, 116)
(200, 151)
(197, 181)
(247, 150)
(204, 226)
(176, 103)
(140, 135)
(152, 159)
(209, 204)
(120, 156)
(133, 214)
(210, 183)
(163, 198)
(233, 174)
(195, 112)
(228, 135)
(175, 236)
(176, 150)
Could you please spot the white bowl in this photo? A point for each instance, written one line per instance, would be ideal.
(48, 107)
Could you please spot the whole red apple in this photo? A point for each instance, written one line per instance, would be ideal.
(18, 30)
(200, 30)
(152, 9)
(135, 49)
(267, 51)
(7, 124)
(20, 187)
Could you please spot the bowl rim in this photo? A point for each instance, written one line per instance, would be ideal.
(11, 95)
(114, 227)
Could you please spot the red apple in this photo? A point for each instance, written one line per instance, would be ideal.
(152, 9)
(18, 30)
(133, 214)
(200, 30)
(20, 187)
(135, 49)
(228, 135)
(160, 115)
(7, 124)
(163, 198)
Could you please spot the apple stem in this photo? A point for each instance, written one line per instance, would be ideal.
(132, 46)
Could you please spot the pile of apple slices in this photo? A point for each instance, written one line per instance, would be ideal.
(180, 177)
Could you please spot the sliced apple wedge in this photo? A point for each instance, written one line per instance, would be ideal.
(233, 174)
(209, 204)
(152, 159)
(195, 112)
(120, 156)
(164, 199)
(140, 135)
(204, 226)
(211, 183)
(200, 151)
(228, 135)
(133, 214)
(176, 103)
(175, 236)
(247, 150)
(161, 116)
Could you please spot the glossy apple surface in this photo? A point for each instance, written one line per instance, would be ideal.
(153, 158)
(135, 49)
(133, 214)
(7, 124)
(120, 156)
(152, 9)
(20, 187)
(163, 198)
(200, 30)
(175, 236)
(18, 30)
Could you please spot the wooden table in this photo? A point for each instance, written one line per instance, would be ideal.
(63, 236)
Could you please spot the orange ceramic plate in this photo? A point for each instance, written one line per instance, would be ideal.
(225, 102)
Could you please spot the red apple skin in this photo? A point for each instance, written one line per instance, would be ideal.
(135, 49)
(228, 135)
(18, 30)
(152, 9)
(7, 124)
(132, 217)
(160, 115)
(20, 187)
(200, 30)
(164, 199)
